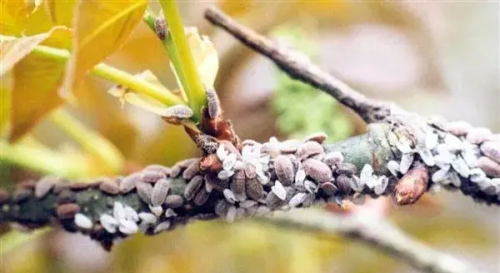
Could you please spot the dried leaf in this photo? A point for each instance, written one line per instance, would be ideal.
(101, 28)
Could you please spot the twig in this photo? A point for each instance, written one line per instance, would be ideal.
(377, 233)
(299, 67)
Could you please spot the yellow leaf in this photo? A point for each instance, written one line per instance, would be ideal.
(13, 50)
(35, 83)
(101, 28)
(38, 20)
(140, 100)
(14, 15)
(61, 11)
(5, 89)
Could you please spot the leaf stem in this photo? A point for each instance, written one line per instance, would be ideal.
(116, 75)
(192, 83)
(92, 142)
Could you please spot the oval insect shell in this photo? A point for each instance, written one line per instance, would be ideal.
(131, 214)
(78, 186)
(279, 190)
(328, 188)
(109, 187)
(297, 199)
(83, 221)
(66, 196)
(128, 227)
(490, 167)
(412, 185)
(285, 172)
(128, 183)
(165, 225)
(151, 176)
(492, 150)
(343, 184)
(178, 111)
(43, 187)
(174, 201)
(67, 211)
(479, 135)
(250, 171)
(238, 182)
(309, 149)
(221, 208)
(333, 158)
(216, 183)
(458, 128)
(175, 171)
(192, 187)
(254, 189)
(317, 137)
(148, 218)
(170, 213)
(192, 170)
(201, 197)
(317, 170)
(109, 223)
(158, 168)
(213, 103)
(144, 191)
(273, 201)
(160, 191)
(347, 169)
(231, 214)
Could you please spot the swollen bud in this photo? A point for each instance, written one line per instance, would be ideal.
(412, 185)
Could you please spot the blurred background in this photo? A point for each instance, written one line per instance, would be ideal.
(430, 57)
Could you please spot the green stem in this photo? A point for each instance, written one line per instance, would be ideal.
(192, 83)
(90, 141)
(42, 160)
(116, 75)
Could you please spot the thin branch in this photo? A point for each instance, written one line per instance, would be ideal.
(377, 233)
(298, 66)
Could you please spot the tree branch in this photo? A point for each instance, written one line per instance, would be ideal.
(377, 233)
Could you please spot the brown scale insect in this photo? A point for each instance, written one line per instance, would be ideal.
(191, 170)
(328, 188)
(343, 184)
(160, 191)
(66, 196)
(128, 183)
(489, 167)
(213, 103)
(254, 189)
(283, 167)
(347, 169)
(161, 28)
(109, 187)
(309, 149)
(176, 113)
(208, 144)
(193, 187)
(158, 168)
(144, 191)
(4, 196)
(317, 170)
(317, 137)
(174, 201)
(412, 185)
(43, 187)
(250, 171)
(21, 194)
(151, 176)
(238, 182)
(78, 186)
(201, 197)
(216, 183)
(492, 150)
(175, 171)
(67, 211)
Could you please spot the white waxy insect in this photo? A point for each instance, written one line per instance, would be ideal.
(221, 152)
(165, 225)
(381, 185)
(453, 143)
(229, 162)
(297, 199)
(109, 223)
(470, 158)
(128, 227)
(461, 167)
(404, 146)
(458, 128)
(131, 214)
(239, 165)
(366, 175)
(492, 150)
(221, 208)
(156, 210)
(479, 135)
(355, 183)
(358, 199)
(44, 186)
(231, 214)
(310, 186)
(454, 179)
(441, 174)
(333, 158)
(279, 190)
(119, 211)
(283, 167)
(393, 167)
(300, 176)
(83, 221)
(144, 191)
(309, 149)
(241, 197)
(170, 213)
(178, 112)
(213, 103)
(427, 157)
(248, 204)
(262, 177)
(224, 175)
(431, 140)
(406, 161)
(160, 191)
(148, 218)
(229, 195)
(477, 175)
(128, 183)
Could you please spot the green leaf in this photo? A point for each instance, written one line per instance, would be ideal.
(101, 28)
